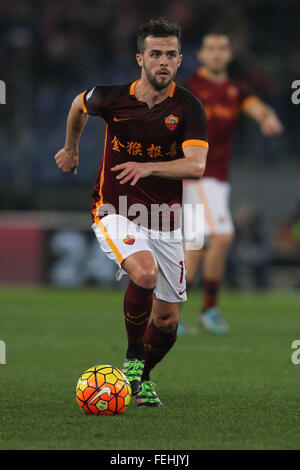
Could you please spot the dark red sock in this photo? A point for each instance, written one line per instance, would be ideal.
(137, 309)
(157, 344)
(210, 293)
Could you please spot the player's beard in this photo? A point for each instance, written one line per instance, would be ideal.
(158, 83)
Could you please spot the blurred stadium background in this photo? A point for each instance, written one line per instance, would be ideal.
(52, 50)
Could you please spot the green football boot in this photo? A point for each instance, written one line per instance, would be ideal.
(147, 396)
(133, 369)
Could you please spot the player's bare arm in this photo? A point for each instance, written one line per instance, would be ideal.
(266, 117)
(67, 158)
(190, 167)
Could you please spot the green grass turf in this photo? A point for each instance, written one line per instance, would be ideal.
(234, 392)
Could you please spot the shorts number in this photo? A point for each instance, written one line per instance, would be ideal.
(181, 264)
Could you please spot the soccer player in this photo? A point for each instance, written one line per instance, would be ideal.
(155, 138)
(223, 100)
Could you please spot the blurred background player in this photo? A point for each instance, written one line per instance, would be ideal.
(223, 100)
(151, 125)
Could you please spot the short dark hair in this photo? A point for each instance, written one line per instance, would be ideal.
(214, 33)
(159, 28)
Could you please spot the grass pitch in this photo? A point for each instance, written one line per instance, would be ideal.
(235, 392)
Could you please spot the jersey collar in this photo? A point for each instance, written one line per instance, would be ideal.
(133, 85)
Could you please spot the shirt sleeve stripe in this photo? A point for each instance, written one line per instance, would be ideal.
(195, 142)
(83, 103)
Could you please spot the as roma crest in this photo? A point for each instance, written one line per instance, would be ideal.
(171, 122)
(129, 239)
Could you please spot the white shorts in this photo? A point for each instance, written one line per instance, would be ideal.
(214, 195)
(119, 238)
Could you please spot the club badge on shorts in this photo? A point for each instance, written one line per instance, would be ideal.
(129, 239)
(171, 122)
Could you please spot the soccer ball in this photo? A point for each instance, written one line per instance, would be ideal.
(103, 390)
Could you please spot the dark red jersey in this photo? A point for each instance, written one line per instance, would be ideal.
(222, 103)
(136, 133)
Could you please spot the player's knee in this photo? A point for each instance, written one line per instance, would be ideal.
(223, 242)
(168, 323)
(170, 328)
(145, 276)
(189, 278)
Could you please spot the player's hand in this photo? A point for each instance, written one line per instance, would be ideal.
(271, 126)
(132, 171)
(67, 160)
